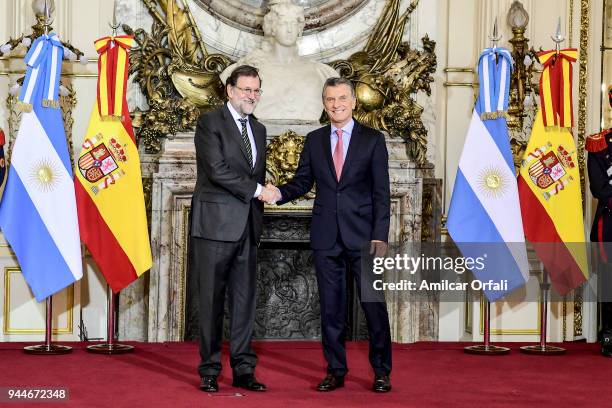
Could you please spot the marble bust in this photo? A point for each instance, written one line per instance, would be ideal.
(291, 84)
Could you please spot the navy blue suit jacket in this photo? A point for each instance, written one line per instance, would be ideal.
(358, 207)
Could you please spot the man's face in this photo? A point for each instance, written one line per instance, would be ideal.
(287, 30)
(244, 95)
(339, 104)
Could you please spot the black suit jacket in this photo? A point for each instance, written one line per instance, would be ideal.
(598, 164)
(223, 196)
(359, 205)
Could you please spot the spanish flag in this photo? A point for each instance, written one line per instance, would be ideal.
(549, 178)
(110, 199)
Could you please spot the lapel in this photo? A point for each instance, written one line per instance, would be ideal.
(232, 130)
(353, 148)
(260, 141)
(327, 150)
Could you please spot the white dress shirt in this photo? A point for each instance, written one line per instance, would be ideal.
(237, 118)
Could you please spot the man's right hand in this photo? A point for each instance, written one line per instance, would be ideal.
(270, 194)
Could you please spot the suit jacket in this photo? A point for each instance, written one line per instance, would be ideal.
(598, 164)
(223, 196)
(358, 207)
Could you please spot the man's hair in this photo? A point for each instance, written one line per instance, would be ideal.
(336, 81)
(242, 71)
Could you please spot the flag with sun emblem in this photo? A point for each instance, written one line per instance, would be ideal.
(549, 179)
(38, 214)
(484, 214)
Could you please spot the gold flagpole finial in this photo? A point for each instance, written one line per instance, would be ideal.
(558, 38)
(495, 37)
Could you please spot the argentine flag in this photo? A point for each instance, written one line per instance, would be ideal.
(38, 211)
(484, 217)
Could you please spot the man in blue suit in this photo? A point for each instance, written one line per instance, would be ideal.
(349, 164)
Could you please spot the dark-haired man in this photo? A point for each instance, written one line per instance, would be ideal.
(226, 225)
(349, 164)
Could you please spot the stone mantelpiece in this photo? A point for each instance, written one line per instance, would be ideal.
(153, 309)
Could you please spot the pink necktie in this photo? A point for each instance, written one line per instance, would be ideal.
(338, 155)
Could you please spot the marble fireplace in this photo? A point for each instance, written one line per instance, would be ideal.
(159, 307)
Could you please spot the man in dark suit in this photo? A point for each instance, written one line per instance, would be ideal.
(349, 164)
(226, 225)
(599, 166)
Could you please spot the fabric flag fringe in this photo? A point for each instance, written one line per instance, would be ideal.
(484, 214)
(113, 73)
(108, 176)
(38, 214)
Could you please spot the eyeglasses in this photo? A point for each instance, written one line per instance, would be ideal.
(248, 91)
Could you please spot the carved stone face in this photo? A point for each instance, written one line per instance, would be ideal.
(284, 22)
(283, 155)
(288, 155)
(287, 30)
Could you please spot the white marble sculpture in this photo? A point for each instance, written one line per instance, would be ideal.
(291, 84)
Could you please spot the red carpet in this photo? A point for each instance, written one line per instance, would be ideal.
(424, 375)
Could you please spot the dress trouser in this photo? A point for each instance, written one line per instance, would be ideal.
(331, 268)
(226, 266)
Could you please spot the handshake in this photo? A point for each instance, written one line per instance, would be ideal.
(270, 194)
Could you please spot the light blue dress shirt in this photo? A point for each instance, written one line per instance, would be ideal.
(347, 131)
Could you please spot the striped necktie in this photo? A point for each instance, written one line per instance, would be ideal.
(246, 141)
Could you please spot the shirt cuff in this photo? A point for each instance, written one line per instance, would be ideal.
(258, 190)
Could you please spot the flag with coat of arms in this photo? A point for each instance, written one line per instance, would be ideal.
(549, 178)
(108, 182)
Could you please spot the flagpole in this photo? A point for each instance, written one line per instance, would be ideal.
(487, 348)
(110, 347)
(543, 349)
(48, 348)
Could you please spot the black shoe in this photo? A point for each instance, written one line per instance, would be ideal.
(382, 383)
(209, 383)
(606, 351)
(331, 382)
(248, 382)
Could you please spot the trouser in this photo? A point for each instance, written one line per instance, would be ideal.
(331, 269)
(226, 266)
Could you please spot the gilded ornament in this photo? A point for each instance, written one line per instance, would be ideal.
(174, 71)
(387, 75)
(176, 74)
(283, 156)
